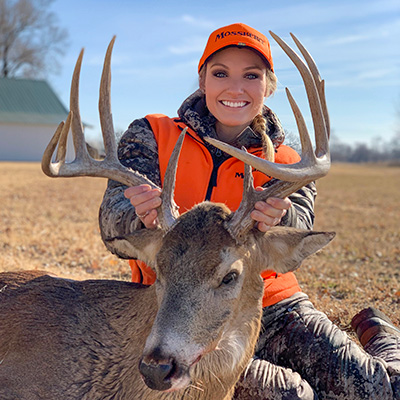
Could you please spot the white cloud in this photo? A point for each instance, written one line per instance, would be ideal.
(196, 33)
(378, 74)
(197, 22)
(192, 44)
(349, 39)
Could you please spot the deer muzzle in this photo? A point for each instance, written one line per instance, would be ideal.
(163, 373)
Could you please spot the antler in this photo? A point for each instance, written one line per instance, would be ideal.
(313, 164)
(110, 167)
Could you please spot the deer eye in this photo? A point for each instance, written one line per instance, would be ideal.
(229, 278)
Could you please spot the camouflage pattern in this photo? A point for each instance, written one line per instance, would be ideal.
(263, 381)
(387, 347)
(303, 355)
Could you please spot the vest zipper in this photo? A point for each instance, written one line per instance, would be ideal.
(212, 183)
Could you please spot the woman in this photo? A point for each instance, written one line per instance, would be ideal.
(300, 354)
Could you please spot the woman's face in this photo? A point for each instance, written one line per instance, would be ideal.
(235, 85)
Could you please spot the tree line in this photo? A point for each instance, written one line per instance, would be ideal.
(381, 151)
(387, 151)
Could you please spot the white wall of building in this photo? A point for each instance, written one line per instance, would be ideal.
(20, 142)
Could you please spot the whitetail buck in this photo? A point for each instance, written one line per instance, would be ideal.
(192, 333)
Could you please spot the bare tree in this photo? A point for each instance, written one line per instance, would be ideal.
(397, 127)
(30, 38)
(394, 145)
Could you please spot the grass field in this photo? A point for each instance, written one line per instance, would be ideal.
(51, 224)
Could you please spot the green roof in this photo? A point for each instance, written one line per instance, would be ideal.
(27, 101)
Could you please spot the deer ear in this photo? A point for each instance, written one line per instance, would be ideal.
(286, 248)
(143, 245)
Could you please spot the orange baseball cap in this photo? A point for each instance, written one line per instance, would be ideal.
(237, 35)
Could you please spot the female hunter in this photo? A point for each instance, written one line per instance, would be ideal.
(300, 354)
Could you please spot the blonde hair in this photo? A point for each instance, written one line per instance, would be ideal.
(259, 126)
(273, 81)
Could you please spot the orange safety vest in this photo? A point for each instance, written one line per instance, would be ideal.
(194, 174)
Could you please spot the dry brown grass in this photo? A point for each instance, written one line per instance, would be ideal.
(361, 267)
(51, 224)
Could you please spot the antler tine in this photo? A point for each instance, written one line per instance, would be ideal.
(76, 125)
(168, 212)
(306, 145)
(60, 138)
(241, 222)
(106, 120)
(62, 144)
(320, 83)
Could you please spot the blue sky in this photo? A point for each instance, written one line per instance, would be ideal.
(355, 44)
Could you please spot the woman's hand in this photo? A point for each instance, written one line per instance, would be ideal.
(145, 200)
(270, 212)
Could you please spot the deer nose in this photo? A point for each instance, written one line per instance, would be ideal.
(157, 373)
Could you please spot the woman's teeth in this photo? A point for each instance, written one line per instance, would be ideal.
(233, 104)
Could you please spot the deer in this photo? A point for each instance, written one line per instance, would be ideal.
(192, 333)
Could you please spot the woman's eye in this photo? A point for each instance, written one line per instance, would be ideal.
(230, 277)
(252, 76)
(220, 74)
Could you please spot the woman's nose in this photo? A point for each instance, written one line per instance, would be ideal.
(235, 86)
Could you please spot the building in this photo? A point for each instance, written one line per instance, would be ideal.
(30, 112)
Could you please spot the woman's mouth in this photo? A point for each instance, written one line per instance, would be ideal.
(234, 104)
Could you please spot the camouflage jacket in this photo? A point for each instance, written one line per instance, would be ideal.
(138, 150)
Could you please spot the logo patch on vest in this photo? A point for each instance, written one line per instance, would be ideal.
(239, 175)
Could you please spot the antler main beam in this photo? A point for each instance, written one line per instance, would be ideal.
(110, 167)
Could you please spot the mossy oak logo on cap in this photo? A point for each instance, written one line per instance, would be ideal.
(225, 34)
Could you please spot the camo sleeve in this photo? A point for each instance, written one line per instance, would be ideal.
(138, 150)
(301, 213)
